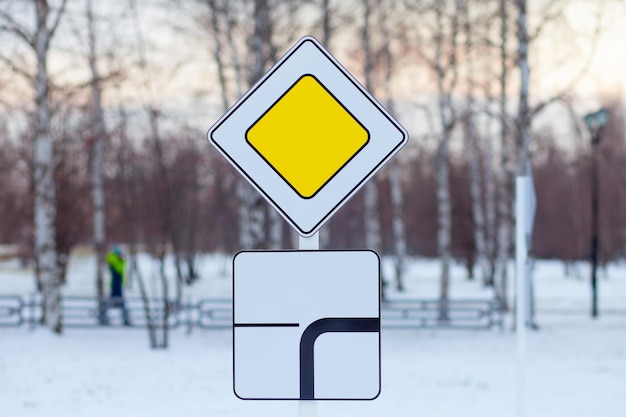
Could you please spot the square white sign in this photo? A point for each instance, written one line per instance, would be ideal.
(306, 325)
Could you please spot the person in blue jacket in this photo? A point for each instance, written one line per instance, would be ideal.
(117, 267)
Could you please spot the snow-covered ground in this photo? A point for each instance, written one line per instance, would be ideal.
(576, 366)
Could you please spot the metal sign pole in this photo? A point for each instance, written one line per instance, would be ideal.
(308, 408)
(521, 253)
(309, 243)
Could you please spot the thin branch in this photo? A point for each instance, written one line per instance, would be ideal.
(578, 130)
(148, 85)
(548, 17)
(430, 62)
(584, 70)
(538, 108)
(15, 27)
(57, 19)
(17, 69)
(72, 89)
(18, 32)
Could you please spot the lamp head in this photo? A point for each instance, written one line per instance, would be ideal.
(597, 120)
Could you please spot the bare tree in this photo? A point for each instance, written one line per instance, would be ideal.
(326, 23)
(471, 138)
(46, 257)
(488, 157)
(395, 175)
(504, 177)
(252, 211)
(222, 28)
(371, 211)
(446, 71)
(97, 157)
(522, 119)
(216, 33)
(263, 51)
(165, 199)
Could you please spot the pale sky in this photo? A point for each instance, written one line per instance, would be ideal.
(607, 70)
(196, 75)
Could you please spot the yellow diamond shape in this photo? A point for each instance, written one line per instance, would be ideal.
(307, 136)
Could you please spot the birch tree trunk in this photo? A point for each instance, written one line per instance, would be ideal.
(217, 51)
(218, 48)
(234, 53)
(147, 311)
(252, 228)
(166, 201)
(395, 177)
(370, 197)
(490, 203)
(128, 192)
(326, 26)
(246, 238)
(504, 202)
(97, 155)
(250, 233)
(165, 325)
(397, 223)
(523, 119)
(192, 223)
(488, 166)
(444, 219)
(476, 194)
(276, 229)
(167, 207)
(470, 134)
(371, 214)
(442, 170)
(49, 275)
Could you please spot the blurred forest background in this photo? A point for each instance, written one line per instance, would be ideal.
(104, 108)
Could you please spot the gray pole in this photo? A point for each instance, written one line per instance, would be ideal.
(595, 123)
(594, 223)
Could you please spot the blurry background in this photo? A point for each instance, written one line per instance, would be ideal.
(104, 108)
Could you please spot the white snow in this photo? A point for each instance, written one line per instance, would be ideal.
(576, 366)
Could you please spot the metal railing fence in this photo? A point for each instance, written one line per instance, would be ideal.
(216, 313)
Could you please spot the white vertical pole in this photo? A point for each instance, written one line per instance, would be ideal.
(309, 243)
(528, 288)
(521, 253)
(308, 408)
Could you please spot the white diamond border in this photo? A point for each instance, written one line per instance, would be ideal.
(387, 136)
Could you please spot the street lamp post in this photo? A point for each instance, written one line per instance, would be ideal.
(595, 122)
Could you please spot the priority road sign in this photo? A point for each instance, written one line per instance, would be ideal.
(306, 325)
(307, 136)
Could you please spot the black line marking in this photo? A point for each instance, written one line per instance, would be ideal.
(342, 106)
(310, 335)
(266, 325)
(359, 184)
